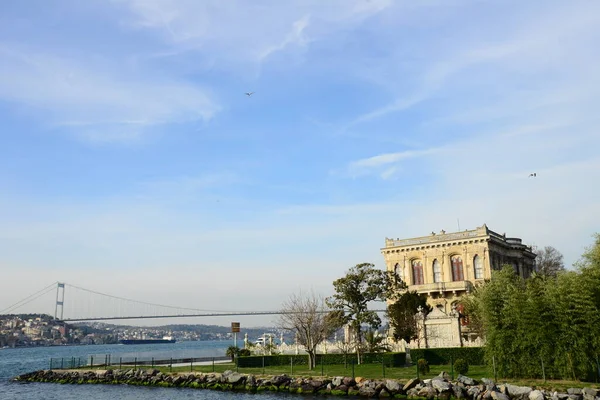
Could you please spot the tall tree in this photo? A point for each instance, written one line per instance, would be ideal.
(375, 343)
(549, 261)
(361, 285)
(554, 320)
(307, 318)
(402, 315)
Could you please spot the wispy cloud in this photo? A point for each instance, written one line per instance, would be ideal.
(381, 162)
(295, 37)
(239, 31)
(530, 48)
(101, 104)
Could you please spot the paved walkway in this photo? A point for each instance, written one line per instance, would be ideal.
(200, 363)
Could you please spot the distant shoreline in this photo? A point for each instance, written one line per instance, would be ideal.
(99, 344)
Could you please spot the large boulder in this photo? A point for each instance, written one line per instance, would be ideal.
(349, 381)
(235, 378)
(411, 384)
(473, 392)
(392, 386)
(280, 380)
(440, 386)
(427, 392)
(443, 376)
(517, 392)
(367, 391)
(488, 382)
(459, 392)
(499, 396)
(307, 387)
(536, 395)
(465, 380)
(337, 381)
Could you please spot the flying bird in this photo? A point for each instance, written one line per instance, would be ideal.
(249, 94)
(533, 175)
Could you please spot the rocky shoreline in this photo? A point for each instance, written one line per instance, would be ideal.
(440, 387)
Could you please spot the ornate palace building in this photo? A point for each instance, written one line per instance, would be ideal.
(445, 266)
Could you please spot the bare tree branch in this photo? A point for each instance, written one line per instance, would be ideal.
(306, 317)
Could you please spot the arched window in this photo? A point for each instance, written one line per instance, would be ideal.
(417, 271)
(399, 271)
(437, 271)
(478, 265)
(457, 268)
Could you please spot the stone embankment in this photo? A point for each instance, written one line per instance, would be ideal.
(440, 387)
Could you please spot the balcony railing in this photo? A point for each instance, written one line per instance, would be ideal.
(441, 287)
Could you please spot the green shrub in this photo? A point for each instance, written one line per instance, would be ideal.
(423, 366)
(389, 359)
(232, 351)
(244, 352)
(461, 366)
(441, 356)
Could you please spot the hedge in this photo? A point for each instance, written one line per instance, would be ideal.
(472, 355)
(390, 359)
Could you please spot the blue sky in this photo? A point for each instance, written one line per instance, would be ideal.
(132, 162)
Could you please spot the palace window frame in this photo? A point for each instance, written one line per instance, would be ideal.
(478, 266)
(458, 271)
(417, 272)
(437, 271)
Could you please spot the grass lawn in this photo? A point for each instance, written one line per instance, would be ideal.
(376, 371)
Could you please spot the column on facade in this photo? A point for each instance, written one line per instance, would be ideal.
(443, 265)
(407, 272)
(487, 265)
(447, 267)
(467, 264)
(427, 272)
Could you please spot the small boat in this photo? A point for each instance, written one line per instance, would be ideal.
(263, 340)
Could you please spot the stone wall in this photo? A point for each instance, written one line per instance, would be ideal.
(440, 387)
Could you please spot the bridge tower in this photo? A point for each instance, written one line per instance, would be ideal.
(60, 292)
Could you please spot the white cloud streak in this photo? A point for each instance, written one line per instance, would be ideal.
(97, 104)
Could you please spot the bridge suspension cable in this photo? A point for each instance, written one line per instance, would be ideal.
(83, 304)
(141, 302)
(29, 298)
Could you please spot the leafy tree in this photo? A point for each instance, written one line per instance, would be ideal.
(361, 285)
(423, 366)
(244, 352)
(552, 319)
(402, 315)
(306, 317)
(461, 366)
(471, 312)
(232, 352)
(549, 261)
(375, 343)
(589, 266)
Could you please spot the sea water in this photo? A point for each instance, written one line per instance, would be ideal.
(18, 361)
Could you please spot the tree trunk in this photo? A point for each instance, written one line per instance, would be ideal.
(311, 358)
(358, 344)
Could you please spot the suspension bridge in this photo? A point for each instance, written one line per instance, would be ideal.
(71, 303)
(90, 305)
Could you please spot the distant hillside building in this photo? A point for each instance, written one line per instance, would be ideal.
(445, 266)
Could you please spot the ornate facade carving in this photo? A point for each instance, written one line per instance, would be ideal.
(465, 259)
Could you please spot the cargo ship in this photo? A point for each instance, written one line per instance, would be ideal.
(166, 339)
